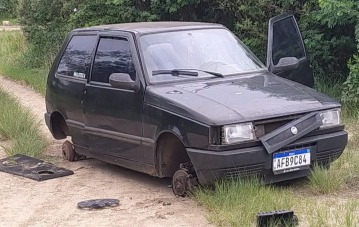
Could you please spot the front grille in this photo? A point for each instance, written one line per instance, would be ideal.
(266, 126)
(297, 147)
(245, 171)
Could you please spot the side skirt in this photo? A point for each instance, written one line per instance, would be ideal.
(129, 164)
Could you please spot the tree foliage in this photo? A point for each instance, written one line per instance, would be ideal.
(8, 7)
(345, 13)
(329, 27)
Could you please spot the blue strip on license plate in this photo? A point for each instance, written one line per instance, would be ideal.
(290, 153)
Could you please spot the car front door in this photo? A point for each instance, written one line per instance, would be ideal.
(112, 114)
(285, 40)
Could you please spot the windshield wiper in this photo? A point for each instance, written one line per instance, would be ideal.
(175, 72)
(186, 72)
(209, 72)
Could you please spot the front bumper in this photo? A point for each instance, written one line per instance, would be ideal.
(213, 165)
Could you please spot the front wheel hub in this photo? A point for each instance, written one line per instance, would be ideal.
(179, 182)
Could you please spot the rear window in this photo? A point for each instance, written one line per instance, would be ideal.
(76, 59)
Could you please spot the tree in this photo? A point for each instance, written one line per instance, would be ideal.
(345, 14)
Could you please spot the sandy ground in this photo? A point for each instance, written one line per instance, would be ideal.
(144, 200)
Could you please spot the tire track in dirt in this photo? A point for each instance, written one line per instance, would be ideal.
(53, 203)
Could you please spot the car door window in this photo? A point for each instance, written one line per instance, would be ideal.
(113, 55)
(77, 57)
(287, 41)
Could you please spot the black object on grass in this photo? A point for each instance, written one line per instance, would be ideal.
(280, 218)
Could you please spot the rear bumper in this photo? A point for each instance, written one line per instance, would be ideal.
(213, 165)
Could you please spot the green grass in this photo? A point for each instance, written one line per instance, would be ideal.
(324, 180)
(334, 89)
(345, 170)
(19, 128)
(13, 65)
(329, 87)
(328, 213)
(236, 203)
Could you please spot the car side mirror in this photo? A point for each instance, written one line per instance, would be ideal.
(121, 80)
(286, 64)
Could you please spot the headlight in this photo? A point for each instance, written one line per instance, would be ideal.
(238, 133)
(330, 118)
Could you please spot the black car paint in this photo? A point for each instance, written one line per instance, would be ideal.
(106, 108)
(243, 98)
(191, 110)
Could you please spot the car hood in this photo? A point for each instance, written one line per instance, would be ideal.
(234, 100)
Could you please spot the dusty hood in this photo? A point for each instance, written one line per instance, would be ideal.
(233, 100)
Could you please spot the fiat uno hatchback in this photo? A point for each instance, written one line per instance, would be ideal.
(190, 101)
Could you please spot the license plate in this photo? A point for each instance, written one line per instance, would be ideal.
(289, 161)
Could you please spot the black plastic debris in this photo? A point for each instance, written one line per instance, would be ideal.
(280, 218)
(32, 168)
(98, 203)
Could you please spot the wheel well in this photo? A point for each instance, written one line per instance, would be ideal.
(170, 153)
(58, 126)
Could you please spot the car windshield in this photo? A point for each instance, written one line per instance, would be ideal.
(204, 50)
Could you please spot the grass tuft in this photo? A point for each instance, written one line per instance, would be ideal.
(329, 87)
(324, 180)
(19, 126)
(236, 203)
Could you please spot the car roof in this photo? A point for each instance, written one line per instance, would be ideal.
(151, 27)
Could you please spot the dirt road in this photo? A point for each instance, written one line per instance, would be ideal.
(143, 199)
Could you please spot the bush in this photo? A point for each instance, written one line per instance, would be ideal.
(351, 85)
(344, 15)
(45, 26)
(7, 8)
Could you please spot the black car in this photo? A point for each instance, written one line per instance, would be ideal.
(190, 101)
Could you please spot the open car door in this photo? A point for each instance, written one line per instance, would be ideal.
(286, 55)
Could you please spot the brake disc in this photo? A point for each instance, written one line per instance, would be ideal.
(179, 182)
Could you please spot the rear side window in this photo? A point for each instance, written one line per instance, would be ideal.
(113, 55)
(76, 59)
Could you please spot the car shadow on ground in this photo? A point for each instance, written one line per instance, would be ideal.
(124, 174)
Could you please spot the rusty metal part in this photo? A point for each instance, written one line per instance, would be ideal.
(98, 203)
(179, 182)
(183, 180)
(79, 157)
(68, 152)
